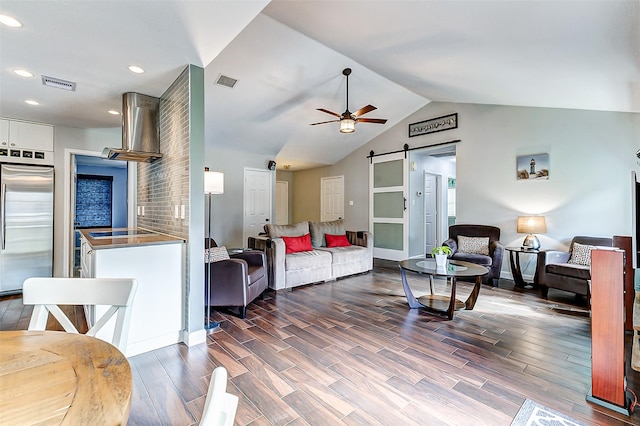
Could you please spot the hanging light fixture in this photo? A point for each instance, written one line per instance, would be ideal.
(348, 119)
(347, 125)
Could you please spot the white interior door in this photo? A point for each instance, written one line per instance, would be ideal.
(282, 202)
(257, 201)
(431, 211)
(332, 198)
(388, 206)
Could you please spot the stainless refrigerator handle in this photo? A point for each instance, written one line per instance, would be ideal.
(3, 212)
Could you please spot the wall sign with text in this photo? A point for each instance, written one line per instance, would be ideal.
(446, 122)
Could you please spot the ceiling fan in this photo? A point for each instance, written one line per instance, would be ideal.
(348, 119)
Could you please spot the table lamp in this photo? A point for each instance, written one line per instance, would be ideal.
(531, 225)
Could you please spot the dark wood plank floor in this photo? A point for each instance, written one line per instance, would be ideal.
(352, 352)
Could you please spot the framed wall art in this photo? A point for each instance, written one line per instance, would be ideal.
(533, 167)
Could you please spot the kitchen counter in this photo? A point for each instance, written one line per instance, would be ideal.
(156, 261)
(106, 238)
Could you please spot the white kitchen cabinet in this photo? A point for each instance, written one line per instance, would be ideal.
(157, 313)
(25, 135)
(4, 133)
(86, 259)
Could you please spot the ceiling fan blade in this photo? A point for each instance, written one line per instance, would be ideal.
(372, 120)
(364, 110)
(328, 112)
(324, 122)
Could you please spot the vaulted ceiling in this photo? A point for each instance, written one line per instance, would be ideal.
(288, 58)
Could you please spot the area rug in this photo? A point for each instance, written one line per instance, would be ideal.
(534, 414)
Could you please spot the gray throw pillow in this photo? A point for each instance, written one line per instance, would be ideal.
(318, 229)
(295, 230)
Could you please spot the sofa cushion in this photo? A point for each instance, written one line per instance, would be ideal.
(473, 245)
(337, 240)
(297, 244)
(307, 260)
(478, 259)
(318, 229)
(569, 270)
(346, 254)
(255, 273)
(295, 230)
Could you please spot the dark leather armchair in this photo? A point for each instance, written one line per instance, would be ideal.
(553, 271)
(496, 250)
(237, 281)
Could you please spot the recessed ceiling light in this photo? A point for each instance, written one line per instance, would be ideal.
(113, 112)
(23, 73)
(136, 69)
(9, 21)
(32, 102)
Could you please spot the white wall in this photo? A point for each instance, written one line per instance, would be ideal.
(228, 209)
(591, 153)
(65, 138)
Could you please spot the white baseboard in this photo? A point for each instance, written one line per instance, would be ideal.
(194, 338)
(143, 346)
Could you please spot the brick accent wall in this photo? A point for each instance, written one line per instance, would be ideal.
(93, 201)
(164, 184)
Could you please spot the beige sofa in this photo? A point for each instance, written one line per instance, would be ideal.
(318, 265)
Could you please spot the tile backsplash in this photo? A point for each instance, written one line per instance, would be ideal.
(163, 185)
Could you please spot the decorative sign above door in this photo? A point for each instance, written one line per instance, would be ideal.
(446, 122)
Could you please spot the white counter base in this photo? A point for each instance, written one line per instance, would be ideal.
(157, 312)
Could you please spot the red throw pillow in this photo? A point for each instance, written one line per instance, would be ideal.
(336, 240)
(297, 244)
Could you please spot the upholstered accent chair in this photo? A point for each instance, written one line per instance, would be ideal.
(479, 244)
(237, 279)
(569, 271)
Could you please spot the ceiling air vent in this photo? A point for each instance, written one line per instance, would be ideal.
(223, 80)
(58, 83)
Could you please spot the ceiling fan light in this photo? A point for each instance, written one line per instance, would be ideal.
(347, 125)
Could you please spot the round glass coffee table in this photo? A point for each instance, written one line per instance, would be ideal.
(442, 304)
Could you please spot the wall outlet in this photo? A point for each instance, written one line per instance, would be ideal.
(350, 202)
(176, 212)
(183, 211)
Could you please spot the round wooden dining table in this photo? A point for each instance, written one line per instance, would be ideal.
(53, 377)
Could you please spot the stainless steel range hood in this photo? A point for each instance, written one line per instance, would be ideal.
(140, 132)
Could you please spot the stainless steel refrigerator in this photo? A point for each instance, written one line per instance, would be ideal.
(26, 224)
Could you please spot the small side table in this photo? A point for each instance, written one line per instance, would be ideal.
(236, 250)
(514, 260)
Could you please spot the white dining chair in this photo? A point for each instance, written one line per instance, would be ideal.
(47, 294)
(219, 407)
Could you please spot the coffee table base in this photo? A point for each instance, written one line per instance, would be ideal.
(441, 304)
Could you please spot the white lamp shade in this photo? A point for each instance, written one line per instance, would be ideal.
(213, 182)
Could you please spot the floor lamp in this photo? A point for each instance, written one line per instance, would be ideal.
(213, 184)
